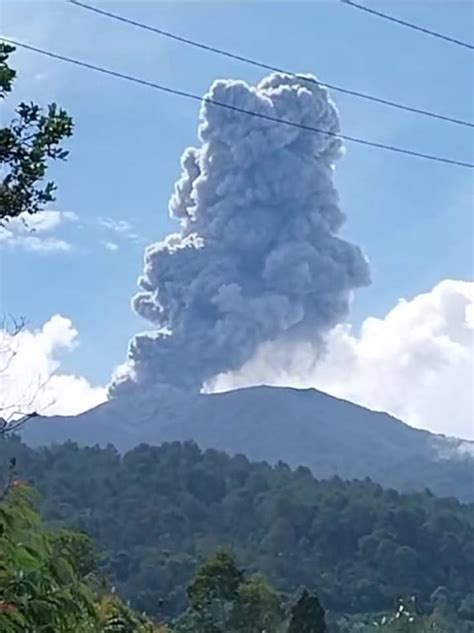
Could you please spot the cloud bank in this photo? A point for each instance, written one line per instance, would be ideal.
(257, 257)
(30, 372)
(415, 363)
(33, 232)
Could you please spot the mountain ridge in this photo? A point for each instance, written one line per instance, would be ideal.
(301, 427)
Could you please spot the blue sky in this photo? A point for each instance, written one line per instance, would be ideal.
(413, 218)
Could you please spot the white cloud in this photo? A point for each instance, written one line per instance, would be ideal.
(32, 232)
(111, 246)
(41, 222)
(38, 232)
(121, 228)
(35, 244)
(415, 363)
(31, 377)
(45, 221)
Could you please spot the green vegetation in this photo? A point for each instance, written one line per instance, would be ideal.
(32, 139)
(157, 513)
(40, 586)
(49, 582)
(48, 579)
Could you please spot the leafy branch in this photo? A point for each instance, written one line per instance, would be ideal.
(26, 145)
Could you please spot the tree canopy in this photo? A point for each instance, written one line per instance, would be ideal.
(49, 581)
(157, 513)
(27, 144)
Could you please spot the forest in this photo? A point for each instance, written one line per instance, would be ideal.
(157, 514)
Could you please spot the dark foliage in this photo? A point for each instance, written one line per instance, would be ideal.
(26, 145)
(307, 615)
(157, 512)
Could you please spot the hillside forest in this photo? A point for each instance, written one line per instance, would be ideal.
(150, 523)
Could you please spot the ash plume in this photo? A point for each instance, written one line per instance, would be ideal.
(257, 257)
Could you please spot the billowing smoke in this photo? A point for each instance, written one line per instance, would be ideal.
(257, 257)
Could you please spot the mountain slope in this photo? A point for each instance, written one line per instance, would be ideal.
(300, 427)
(155, 512)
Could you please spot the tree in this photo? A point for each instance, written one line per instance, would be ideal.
(152, 531)
(212, 595)
(218, 579)
(48, 579)
(31, 139)
(116, 617)
(41, 587)
(307, 615)
(13, 416)
(223, 600)
(466, 609)
(257, 608)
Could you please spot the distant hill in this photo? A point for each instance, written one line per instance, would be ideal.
(300, 427)
(155, 513)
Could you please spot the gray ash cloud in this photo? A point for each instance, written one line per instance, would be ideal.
(257, 257)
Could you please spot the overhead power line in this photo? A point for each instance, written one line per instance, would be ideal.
(258, 64)
(410, 25)
(267, 117)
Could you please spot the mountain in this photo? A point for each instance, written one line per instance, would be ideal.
(299, 427)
